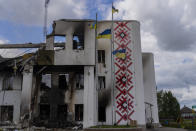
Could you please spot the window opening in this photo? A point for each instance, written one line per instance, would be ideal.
(62, 112)
(101, 56)
(46, 81)
(79, 112)
(8, 83)
(101, 81)
(63, 80)
(44, 111)
(60, 40)
(6, 113)
(101, 113)
(78, 42)
(79, 81)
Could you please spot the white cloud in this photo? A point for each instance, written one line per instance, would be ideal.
(173, 69)
(32, 12)
(170, 21)
(185, 93)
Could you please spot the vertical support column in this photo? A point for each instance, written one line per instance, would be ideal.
(150, 85)
(26, 94)
(50, 43)
(155, 114)
(90, 97)
(154, 90)
(138, 71)
(69, 43)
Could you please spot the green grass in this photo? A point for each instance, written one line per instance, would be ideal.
(187, 124)
(113, 126)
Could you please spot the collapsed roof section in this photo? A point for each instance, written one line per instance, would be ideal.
(17, 63)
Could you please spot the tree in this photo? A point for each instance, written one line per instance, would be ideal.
(168, 105)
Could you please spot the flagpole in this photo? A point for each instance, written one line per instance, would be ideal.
(45, 19)
(96, 42)
(126, 82)
(96, 66)
(112, 68)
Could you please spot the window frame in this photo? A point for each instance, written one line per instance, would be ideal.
(60, 37)
(76, 40)
(8, 82)
(100, 80)
(101, 56)
(81, 113)
(12, 110)
(78, 81)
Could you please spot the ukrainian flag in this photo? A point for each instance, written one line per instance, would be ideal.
(93, 26)
(105, 34)
(120, 53)
(114, 10)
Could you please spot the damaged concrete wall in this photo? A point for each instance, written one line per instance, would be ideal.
(77, 57)
(12, 97)
(150, 92)
(26, 94)
(55, 105)
(73, 96)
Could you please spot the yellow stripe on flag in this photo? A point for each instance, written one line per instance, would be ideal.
(114, 10)
(121, 55)
(108, 36)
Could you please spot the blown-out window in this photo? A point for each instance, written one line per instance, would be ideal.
(78, 112)
(59, 40)
(46, 81)
(8, 83)
(6, 113)
(78, 41)
(62, 112)
(79, 81)
(44, 111)
(101, 81)
(63, 81)
(101, 113)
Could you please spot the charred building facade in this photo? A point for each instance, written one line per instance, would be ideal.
(78, 81)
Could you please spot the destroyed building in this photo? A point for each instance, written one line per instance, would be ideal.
(78, 81)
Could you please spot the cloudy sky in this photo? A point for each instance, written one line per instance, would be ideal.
(168, 29)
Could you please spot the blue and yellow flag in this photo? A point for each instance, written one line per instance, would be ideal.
(114, 10)
(120, 53)
(105, 34)
(93, 25)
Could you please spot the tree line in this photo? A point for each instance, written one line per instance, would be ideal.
(168, 105)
